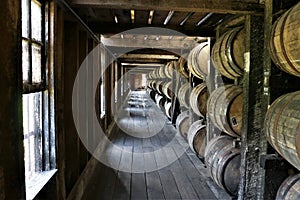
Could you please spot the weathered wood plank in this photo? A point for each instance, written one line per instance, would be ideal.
(12, 177)
(183, 183)
(263, 184)
(70, 70)
(123, 185)
(83, 52)
(216, 6)
(196, 179)
(166, 177)
(59, 102)
(159, 44)
(252, 113)
(153, 182)
(138, 186)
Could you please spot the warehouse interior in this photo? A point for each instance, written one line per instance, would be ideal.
(133, 99)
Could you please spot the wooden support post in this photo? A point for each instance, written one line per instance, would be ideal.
(107, 89)
(212, 82)
(89, 101)
(111, 90)
(12, 177)
(119, 76)
(59, 102)
(253, 114)
(274, 166)
(176, 83)
(71, 54)
(83, 52)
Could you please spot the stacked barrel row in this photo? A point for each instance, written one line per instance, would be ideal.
(224, 107)
(282, 129)
(159, 82)
(282, 121)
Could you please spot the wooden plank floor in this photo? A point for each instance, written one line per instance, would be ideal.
(144, 130)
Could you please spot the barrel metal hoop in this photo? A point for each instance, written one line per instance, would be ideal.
(277, 119)
(220, 158)
(198, 66)
(225, 124)
(298, 141)
(208, 148)
(216, 100)
(227, 114)
(224, 162)
(290, 186)
(225, 70)
(229, 50)
(286, 57)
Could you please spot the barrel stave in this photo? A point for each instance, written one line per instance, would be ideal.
(223, 161)
(198, 99)
(284, 42)
(225, 109)
(183, 123)
(228, 53)
(289, 189)
(282, 127)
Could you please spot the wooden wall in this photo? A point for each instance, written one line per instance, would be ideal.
(12, 178)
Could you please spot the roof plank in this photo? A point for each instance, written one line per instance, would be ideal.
(215, 6)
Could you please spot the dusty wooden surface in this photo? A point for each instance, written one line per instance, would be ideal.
(186, 178)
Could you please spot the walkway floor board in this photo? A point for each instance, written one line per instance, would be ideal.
(144, 134)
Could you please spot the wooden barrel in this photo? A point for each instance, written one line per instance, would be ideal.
(161, 72)
(160, 101)
(198, 99)
(228, 53)
(197, 138)
(224, 108)
(153, 85)
(182, 66)
(159, 87)
(149, 84)
(198, 60)
(152, 94)
(183, 95)
(156, 73)
(223, 161)
(169, 69)
(285, 41)
(183, 123)
(289, 189)
(168, 109)
(282, 127)
(167, 89)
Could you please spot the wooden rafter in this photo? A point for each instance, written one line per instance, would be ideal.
(215, 6)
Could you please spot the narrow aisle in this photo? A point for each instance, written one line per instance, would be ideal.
(149, 142)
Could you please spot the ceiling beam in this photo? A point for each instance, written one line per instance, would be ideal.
(112, 28)
(159, 44)
(143, 64)
(135, 60)
(149, 56)
(206, 6)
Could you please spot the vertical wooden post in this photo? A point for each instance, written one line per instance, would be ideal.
(71, 54)
(83, 52)
(12, 178)
(252, 108)
(119, 76)
(191, 113)
(212, 82)
(176, 83)
(59, 102)
(89, 91)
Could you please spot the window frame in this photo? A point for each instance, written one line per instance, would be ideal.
(47, 135)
